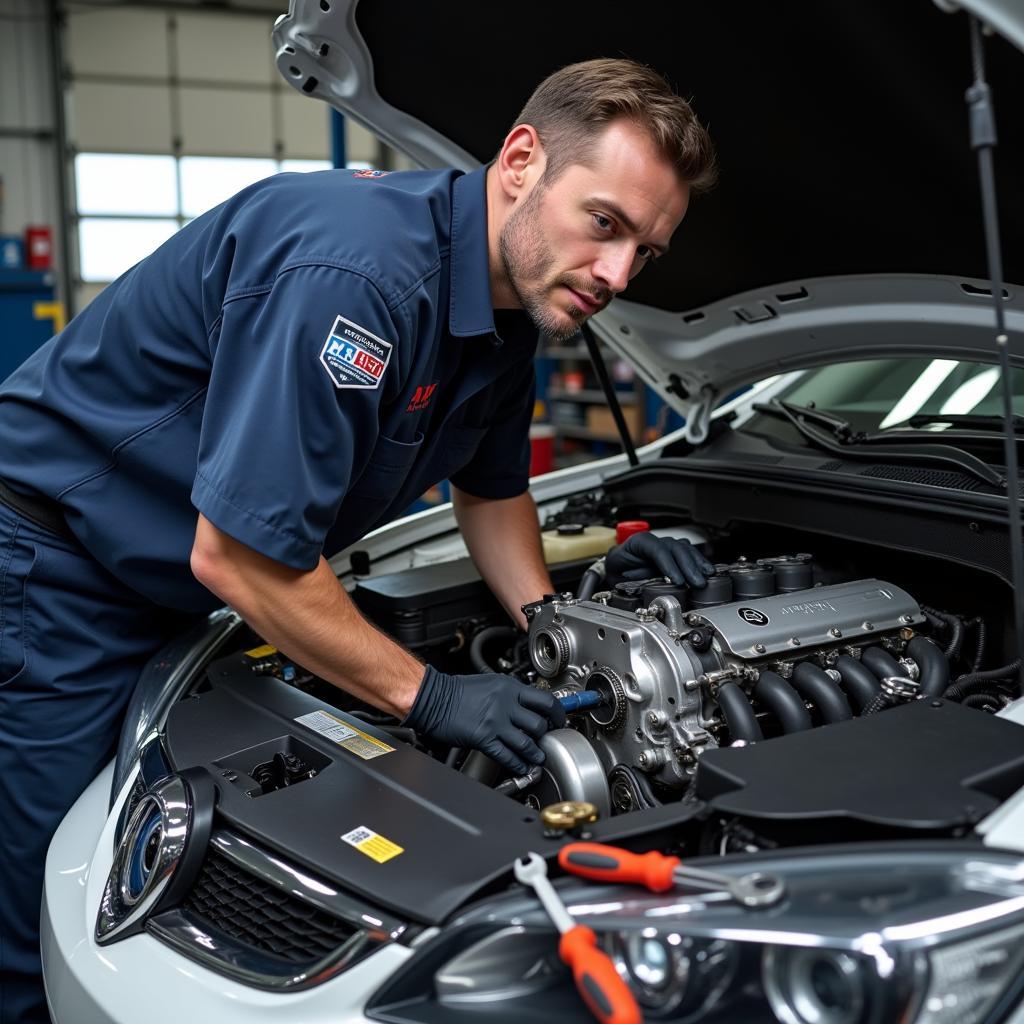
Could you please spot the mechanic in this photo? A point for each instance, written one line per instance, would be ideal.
(289, 371)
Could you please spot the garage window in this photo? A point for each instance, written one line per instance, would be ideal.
(129, 204)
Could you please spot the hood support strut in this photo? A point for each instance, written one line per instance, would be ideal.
(609, 393)
(983, 141)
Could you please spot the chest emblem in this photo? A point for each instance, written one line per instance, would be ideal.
(353, 357)
(367, 173)
(421, 397)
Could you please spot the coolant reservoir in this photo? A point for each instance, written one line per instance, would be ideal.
(573, 540)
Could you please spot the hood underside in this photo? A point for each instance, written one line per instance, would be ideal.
(841, 132)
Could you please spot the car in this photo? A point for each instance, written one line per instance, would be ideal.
(836, 713)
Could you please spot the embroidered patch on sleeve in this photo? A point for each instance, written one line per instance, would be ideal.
(353, 356)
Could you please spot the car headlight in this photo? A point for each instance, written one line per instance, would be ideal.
(920, 935)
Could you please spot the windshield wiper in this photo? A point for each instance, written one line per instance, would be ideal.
(974, 420)
(833, 434)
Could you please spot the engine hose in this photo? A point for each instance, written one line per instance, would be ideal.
(813, 685)
(589, 584)
(881, 662)
(956, 629)
(476, 647)
(739, 715)
(976, 681)
(934, 665)
(982, 701)
(780, 698)
(859, 682)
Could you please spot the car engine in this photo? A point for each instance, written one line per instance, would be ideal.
(759, 652)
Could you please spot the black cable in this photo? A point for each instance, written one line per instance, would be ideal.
(983, 141)
(982, 701)
(975, 681)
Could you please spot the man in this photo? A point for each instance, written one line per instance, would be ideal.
(289, 371)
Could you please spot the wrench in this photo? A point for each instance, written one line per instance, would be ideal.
(605, 993)
(659, 873)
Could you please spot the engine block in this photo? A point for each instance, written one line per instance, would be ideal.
(658, 654)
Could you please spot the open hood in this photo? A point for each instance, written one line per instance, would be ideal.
(847, 220)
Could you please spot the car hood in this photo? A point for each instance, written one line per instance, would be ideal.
(847, 220)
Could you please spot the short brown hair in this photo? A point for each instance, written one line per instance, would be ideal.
(572, 106)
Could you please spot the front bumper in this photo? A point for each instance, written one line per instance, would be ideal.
(140, 978)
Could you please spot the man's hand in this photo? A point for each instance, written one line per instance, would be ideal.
(495, 714)
(643, 555)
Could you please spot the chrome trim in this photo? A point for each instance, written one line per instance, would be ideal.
(120, 907)
(306, 887)
(161, 684)
(220, 953)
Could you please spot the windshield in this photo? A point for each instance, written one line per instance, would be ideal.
(880, 393)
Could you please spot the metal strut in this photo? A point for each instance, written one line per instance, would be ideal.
(983, 141)
(609, 393)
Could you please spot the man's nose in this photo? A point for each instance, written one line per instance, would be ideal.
(613, 267)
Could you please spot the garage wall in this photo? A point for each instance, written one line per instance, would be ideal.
(28, 162)
(184, 84)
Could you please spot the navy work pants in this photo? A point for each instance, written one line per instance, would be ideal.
(73, 641)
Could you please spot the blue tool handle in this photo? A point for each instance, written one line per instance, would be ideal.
(581, 701)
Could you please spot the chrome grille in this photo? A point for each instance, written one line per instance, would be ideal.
(263, 917)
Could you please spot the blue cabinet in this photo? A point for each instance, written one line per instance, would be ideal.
(28, 315)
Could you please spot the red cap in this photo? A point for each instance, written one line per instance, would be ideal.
(628, 527)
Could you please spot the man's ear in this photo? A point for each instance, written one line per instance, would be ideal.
(521, 161)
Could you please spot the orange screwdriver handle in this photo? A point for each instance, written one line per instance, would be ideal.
(602, 863)
(597, 981)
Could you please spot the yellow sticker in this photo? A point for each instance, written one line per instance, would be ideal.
(261, 652)
(375, 846)
(352, 739)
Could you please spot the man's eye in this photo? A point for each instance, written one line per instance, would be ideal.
(646, 253)
(604, 223)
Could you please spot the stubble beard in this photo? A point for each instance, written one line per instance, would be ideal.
(527, 257)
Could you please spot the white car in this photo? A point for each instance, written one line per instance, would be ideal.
(838, 710)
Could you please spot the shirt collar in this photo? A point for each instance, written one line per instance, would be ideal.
(470, 310)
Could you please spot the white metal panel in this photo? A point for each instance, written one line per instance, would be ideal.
(225, 48)
(121, 41)
(227, 122)
(106, 118)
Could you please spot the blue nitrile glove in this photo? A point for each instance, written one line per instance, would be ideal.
(643, 555)
(495, 714)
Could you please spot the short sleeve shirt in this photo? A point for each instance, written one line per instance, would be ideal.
(298, 365)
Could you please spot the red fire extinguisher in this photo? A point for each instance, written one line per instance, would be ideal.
(38, 247)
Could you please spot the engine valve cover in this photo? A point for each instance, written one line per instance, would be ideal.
(810, 618)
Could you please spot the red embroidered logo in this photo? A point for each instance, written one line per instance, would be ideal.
(421, 398)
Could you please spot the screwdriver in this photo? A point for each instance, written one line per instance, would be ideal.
(659, 873)
(597, 981)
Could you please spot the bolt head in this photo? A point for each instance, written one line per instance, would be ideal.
(907, 619)
(867, 625)
(836, 632)
(794, 641)
(642, 759)
(760, 648)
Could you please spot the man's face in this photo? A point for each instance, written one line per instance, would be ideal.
(568, 248)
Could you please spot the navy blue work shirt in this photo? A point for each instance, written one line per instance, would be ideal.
(298, 364)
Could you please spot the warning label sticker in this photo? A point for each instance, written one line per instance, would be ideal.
(353, 740)
(353, 357)
(375, 846)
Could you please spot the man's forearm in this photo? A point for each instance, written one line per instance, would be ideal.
(308, 616)
(503, 537)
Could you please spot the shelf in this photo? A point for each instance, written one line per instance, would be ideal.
(590, 395)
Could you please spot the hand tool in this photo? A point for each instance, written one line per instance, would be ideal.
(657, 872)
(597, 981)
